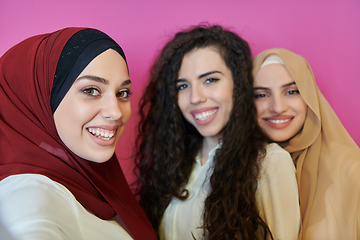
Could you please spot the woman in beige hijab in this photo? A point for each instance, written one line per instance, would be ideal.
(326, 157)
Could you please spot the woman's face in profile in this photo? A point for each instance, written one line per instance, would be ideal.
(281, 110)
(92, 116)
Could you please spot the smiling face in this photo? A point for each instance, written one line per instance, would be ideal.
(92, 116)
(280, 108)
(205, 91)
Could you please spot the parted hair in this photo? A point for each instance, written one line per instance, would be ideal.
(167, 144)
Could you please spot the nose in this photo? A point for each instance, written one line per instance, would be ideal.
(111, 108)
(197, 95)
(278, 105)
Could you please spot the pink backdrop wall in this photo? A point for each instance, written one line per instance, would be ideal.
(325, 32)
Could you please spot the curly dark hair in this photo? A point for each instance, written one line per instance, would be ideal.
(167, 144)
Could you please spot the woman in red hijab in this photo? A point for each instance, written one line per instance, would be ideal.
(64, 102)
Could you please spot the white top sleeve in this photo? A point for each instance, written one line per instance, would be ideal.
(277, 194)
(33, 206)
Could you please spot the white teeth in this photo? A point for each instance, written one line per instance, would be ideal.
(205, 115)
(101, 133)
(278, 121)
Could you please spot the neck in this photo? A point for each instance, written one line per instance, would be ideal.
(208, 144)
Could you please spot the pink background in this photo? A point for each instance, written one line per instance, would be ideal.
(325, 32)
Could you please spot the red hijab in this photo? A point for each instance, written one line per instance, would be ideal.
(29, 142)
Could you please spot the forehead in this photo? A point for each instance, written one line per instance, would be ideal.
(201, 60)
(272, 76)
(108, 65)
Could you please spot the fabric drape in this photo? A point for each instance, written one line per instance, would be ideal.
(327, 160)
(29, 142)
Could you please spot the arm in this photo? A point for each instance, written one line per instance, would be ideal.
(34, 207)
(277, 194)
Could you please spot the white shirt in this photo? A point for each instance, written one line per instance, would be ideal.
(277, 197)
(33, 206)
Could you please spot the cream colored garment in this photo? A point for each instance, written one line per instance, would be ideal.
(33, 207)
(327, 161)
(277, 199)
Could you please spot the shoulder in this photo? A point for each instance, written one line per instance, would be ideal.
(23, 184)
(274, 148)
(34, 206)
(19, 180)
(33, 194)
(277, 193)
(277, 159)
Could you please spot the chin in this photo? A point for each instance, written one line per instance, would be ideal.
(99, 160)
(209, 134)
(99, 157)
(279, 139)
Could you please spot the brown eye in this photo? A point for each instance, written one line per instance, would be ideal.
(293, 92)
(124, 94)
(211, 80)
(182, 87)
(260, 95)
(91, 91)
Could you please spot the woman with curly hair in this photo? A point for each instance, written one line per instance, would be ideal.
(205, 169)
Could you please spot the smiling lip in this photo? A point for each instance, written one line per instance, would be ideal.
(204, 116)
(103, 135)
(278, 122)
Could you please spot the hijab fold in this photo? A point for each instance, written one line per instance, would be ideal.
(29, 142)
(327, 160)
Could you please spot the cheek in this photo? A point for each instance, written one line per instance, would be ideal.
(126, 111)
(68, 129)
(302, 107)
(230, 105)
(304, 113)
(222, 96)
(260, 107)
(65, 119)
(84, 112)
(182, 99)
(305, 107)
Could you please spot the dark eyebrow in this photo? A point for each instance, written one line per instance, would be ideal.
(94, 78)
(180, 80)
(209, 73)
(101, 80)
(285, 85)
(201, 76)
(261, 88)
(288, 84)
(127, 82)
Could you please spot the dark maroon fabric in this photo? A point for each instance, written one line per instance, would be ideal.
(29, 142)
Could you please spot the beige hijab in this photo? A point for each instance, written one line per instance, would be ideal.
(327, 160)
